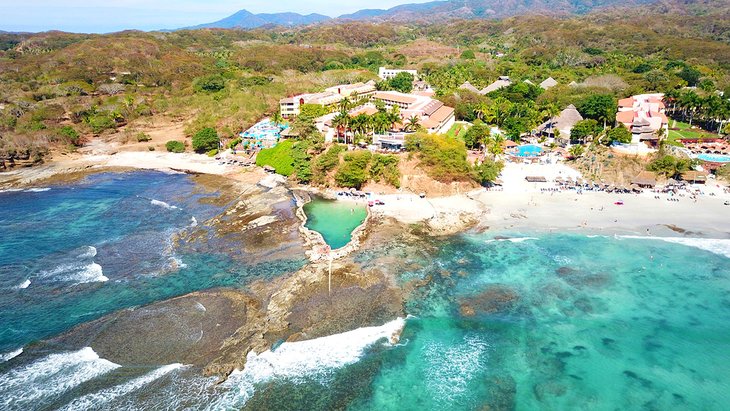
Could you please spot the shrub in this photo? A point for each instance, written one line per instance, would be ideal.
(100, 122)
(302, 161)
(175, 146)
(210, 84)
(468, 55)
(234, 143)
(487, 171)
(143, 137)
(385, 168)
(205, 140)
(354, 172)
(279, 157)
(212, 153)
(619, 133)
(70, 135)
(443, 158)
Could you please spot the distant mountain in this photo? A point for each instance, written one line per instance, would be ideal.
(247, 20)
(433, 11)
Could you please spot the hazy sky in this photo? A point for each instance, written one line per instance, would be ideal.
(114, 15)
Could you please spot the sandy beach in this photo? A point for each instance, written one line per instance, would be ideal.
(517, 205)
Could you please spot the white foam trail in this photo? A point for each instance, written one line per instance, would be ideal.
(163, 204)
(193, 222)
(25, 284)
(312, 358)
(714, 245)
(98, 399)
(29, 386)
(37, 190)
(77, 273)
(512, 240)
(88, 252)
(10, 355)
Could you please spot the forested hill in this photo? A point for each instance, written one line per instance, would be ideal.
(440, 11)
(60, 90)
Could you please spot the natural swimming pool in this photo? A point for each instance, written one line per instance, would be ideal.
(335, 220)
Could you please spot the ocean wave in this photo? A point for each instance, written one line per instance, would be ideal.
(315, 358)
(98, 399)
(163, 205)
(714, 245)
(32, 385)
(78, 268)
(512, 240)
(25, 284)
(10, 355)
(193, 222)
(77, 273)
(37, 190)
(453, 366)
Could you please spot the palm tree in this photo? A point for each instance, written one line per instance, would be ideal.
(576, 150)
(277, 119)
(550, 111)
(340, 122)
(413, 123)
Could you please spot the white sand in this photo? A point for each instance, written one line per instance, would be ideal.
(522, 205)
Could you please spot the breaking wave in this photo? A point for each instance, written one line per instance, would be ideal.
(98, 399)
(32, 386)
(713, 245)
(295, 361)
(10, 355)
(78, 269)
(163, 205)
(25, 284)
(512, 240)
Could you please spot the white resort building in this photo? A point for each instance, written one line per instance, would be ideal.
(387, 73)
(291, 106)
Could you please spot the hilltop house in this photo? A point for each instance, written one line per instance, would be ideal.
(563, 124)
(469, 87)
(644, 115)
(387, 74)
(548, 83)
(434, 115)
(501, 82)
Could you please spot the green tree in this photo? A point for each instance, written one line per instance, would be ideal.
(619, 133)
(313, 110)
(354, 171)
(402, 82)
(599, 107)
(669, 166)
(477, 135)
(690, 74)
(487, 171)
(205, 140)
(576, 151)
(582, 130)
(175, 146)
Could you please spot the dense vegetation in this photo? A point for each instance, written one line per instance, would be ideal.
(59, 90)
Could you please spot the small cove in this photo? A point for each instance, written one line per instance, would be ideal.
(335, 220)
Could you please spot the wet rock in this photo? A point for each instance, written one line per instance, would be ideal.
(496, 298)
(548, 389)
(583, 279)
(502, 392)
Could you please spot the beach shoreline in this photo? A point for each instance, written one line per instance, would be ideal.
(518, 206)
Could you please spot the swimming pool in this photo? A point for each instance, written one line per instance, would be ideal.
(529, 150)
(715, 158)
(265, 132)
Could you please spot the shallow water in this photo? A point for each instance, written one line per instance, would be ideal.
(541, 321)
(335, 220)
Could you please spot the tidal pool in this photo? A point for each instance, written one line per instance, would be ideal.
(335, 220)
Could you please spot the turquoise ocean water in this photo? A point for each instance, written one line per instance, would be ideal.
(539, 321)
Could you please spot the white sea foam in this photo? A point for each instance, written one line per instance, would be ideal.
(714, 245)
(163, 204)
(79, 268)
(452, 367)
(512, 240)
(98, 399)
(10, 355)
(25, 284)
(30, 386)
(313, 358)
(37, 190)
(193, 222)
(76, 273)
